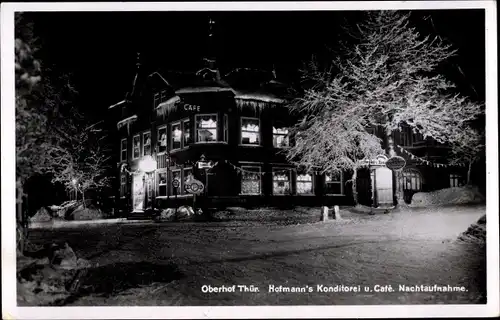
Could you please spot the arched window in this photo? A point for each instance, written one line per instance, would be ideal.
(411, 180)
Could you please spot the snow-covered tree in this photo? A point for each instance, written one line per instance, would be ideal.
(86, 160)
(388, 77)
(467, 148)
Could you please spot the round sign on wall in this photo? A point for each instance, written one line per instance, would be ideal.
(395, 163)
(194, 186)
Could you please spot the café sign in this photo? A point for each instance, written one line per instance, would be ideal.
(191, 108)
(379, 160)
(395, 163)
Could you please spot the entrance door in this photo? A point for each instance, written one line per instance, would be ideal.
(383, 187)
(138, 193)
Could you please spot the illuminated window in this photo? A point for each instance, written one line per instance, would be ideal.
(162, 184)
(136, 147)
(305, 183)
(123, 150)
(411, 180)
(250, 131)
(456, 180)
(162, 140)
(206, 128)
(250, 180)
(281, 181)
(333, 183)
(146, 143)
(280, 137)
(186, 132)
(176, 136)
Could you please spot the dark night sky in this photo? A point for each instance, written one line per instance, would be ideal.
(99, 48)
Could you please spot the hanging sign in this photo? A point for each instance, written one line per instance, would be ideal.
(194, 186)
(395, 163)
(380, 160)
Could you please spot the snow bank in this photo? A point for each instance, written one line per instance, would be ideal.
(457, 195)
(476, 232)
(42, 215)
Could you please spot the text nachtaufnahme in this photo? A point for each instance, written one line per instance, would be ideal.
(362, 288)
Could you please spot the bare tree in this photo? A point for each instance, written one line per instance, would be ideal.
(387, 78)
(468, 147)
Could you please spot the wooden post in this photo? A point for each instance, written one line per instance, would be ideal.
(336, 213)
(324, 213)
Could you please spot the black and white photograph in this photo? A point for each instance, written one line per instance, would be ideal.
(278, 159)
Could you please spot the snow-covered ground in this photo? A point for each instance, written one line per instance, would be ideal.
(170, 263)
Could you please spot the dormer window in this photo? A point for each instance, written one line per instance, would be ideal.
(159, 97)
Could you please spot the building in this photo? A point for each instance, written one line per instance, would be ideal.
(229, 132)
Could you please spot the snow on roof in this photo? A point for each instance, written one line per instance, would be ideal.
(126, 121)
(169, 102)
(258, 96)
(117, 104)
(201, 89)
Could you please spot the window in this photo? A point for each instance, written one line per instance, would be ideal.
(188, 174)
(305, 183)
(123, 184)
(162, 184)
(136, 147)
(176, 175)
(250, 131)
(456, 180)
(226, 128)
(176, 136)
(156, 100)
(404, 136)
(123, 150)
(280, 137)
(159, 98)
(281, 181)
(206, 128)
(186, 131)
(162, 139)
(250, 180)
(417, 138)
(333, 183)
(411, 180)
(146, 143)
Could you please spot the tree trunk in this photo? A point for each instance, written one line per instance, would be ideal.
(469, 172)
(354, 186)
(391, 152)
(21, 229)
(83, 199)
